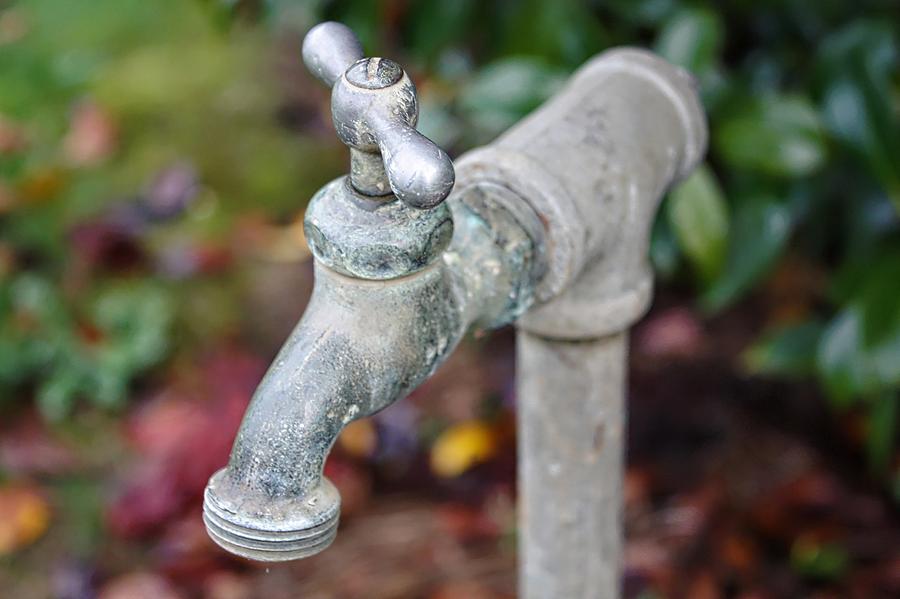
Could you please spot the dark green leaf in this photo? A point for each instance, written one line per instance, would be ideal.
(435, 25)
(848, 368)
(698, 217)
(360, 16)
(692, 38)
(840, 361)
(760, 230)
(859, 101)
(882, 429)
(860, 350)
(664, 252)
(779, 136)
(789, 352)
(879, 300)
(505, 91)
(642, 12)
(563, 32)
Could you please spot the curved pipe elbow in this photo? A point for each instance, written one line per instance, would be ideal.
(344, 360)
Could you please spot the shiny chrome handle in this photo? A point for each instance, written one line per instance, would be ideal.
(375, 110)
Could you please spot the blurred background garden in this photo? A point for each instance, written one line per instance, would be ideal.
(155, 161)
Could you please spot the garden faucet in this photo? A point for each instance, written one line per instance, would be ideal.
(547, 228)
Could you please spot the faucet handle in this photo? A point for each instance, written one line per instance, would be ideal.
(329, 49)
(375, 110)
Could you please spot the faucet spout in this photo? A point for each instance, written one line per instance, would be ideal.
(361, 345)
(340, 364)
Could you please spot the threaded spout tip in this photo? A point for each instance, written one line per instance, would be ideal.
(270, 530)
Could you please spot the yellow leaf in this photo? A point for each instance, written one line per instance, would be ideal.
(24, 516)
(359, 438)
(460, 447)
(41, 186)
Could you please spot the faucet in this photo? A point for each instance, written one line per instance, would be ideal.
(547, 228)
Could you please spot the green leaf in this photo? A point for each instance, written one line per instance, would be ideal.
(860, 350)
(882, 430)
(564, 32)
(854, 273)
(109, 385)
(434, 26)
(56, 395)
(841, 364)
(664, 252)
(39, 298)
(692, 38)
(859, 102)
(648, 13)
(867, 220)
(850, 370)
(698, 217)
(879, 300)
(360, 16)
(789, 352)
(779, 136)
(821, 561)
(12, 366)
(760, 230)
(136, 321)
(503, 92)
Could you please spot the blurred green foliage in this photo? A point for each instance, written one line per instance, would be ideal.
(803, 172)
(97, 99)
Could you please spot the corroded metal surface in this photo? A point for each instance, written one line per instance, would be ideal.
(549, 225)
(396, 288)
(373, 239)
(361, 345)
(594, 162)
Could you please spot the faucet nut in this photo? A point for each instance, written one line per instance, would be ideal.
(368, 238)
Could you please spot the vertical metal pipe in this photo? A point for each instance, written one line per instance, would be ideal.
(571, 420)
(593, 163)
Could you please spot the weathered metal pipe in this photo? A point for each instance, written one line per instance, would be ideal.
(361, 345)
(594, 161)
(548, 226)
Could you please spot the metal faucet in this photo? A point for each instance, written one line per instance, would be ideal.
(547, 227)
